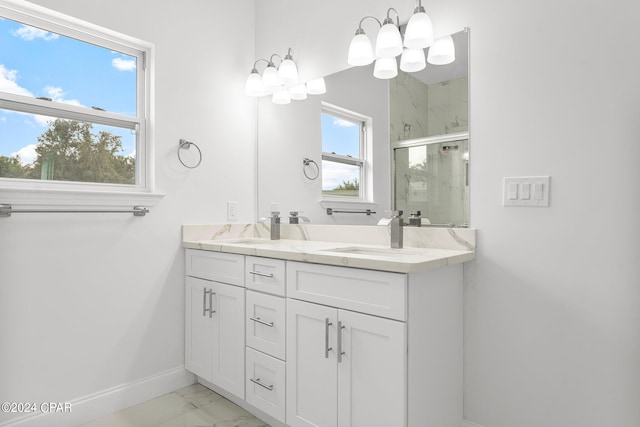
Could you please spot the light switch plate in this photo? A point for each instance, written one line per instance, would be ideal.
(531, 191)
(232, 211)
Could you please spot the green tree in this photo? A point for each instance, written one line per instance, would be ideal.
(11, 167)
(68, 151)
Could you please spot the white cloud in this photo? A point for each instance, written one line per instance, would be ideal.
(28, 33)
(334, 174)
(27, 154)
(123, 64)
(344, 123)
(9, 84)
(57, 95)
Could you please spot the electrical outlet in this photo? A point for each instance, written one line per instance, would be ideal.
(232, 211)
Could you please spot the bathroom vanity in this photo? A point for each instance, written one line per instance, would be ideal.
(305, 332)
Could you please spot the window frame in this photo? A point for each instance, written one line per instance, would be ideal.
(46, 193)
(363, 161)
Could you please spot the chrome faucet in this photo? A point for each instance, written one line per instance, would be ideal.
(294, 217)
(415, 220)
(274, 224)
(396, 225)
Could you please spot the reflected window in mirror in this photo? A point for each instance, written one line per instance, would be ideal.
(344, 135)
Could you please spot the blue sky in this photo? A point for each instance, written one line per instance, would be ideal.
(37, 63)
(341, 137)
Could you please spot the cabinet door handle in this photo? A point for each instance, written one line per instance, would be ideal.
(262, 322)
(257, 273)
(211, 310)
(257, 381)
(327, 349)
(340, 352)
(205, 291)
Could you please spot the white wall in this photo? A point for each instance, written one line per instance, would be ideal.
(552, 303)
(93, 302)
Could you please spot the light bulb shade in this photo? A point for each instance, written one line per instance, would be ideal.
(442, 51)
(288, 73)
(316, 87)
(281, 97)
(253, 86)
(412, 60)
(385, 68)
(419, 32)
(298, 92)
(388, 42)
(360, 50)
(270, 78)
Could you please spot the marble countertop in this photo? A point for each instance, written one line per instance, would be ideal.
(347, 254)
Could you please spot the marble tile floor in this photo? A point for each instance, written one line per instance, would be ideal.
(192, 406)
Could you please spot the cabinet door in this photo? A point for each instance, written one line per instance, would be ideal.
(372, 371)
(198, 330)
(311, 367)
(227, 369)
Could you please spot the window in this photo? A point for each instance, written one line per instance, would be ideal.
(343, 153)
(74, 105)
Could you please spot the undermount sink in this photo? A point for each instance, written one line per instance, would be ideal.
(377, 252)
(248, 241)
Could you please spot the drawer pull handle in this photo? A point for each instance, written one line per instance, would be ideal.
(262, 322)
(257, 273)
(257, 381)
(327, 349)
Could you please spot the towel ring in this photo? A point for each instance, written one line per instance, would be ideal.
(185, 145)
(306, 162)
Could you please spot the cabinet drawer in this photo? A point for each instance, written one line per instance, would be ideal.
(265, 275)
(221, 267)
(265, 323)
(367, 291)
(265, 387)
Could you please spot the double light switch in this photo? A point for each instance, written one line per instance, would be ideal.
(526, 191)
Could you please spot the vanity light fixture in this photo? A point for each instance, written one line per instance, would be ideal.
(316, 87)
(281, 81)
(389, 44)
(442, 51)
(273, 78)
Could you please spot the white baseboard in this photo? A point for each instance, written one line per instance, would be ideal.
(105, 402)
(467, 423)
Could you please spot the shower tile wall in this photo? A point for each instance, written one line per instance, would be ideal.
(418, 110)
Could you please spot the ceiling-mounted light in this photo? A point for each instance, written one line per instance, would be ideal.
(298, 92)
(385, 68)
(389, 41)
(288, 72)
(316, 87)
(281, 97)
(419, 31)
(412, 60)
(442, 51)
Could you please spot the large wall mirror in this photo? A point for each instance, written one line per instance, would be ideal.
(414, 146)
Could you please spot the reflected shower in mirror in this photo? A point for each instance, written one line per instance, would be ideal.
(424, 112)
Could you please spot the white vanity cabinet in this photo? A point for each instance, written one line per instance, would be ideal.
(214, 333)
(344, 368)
(371, 348)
